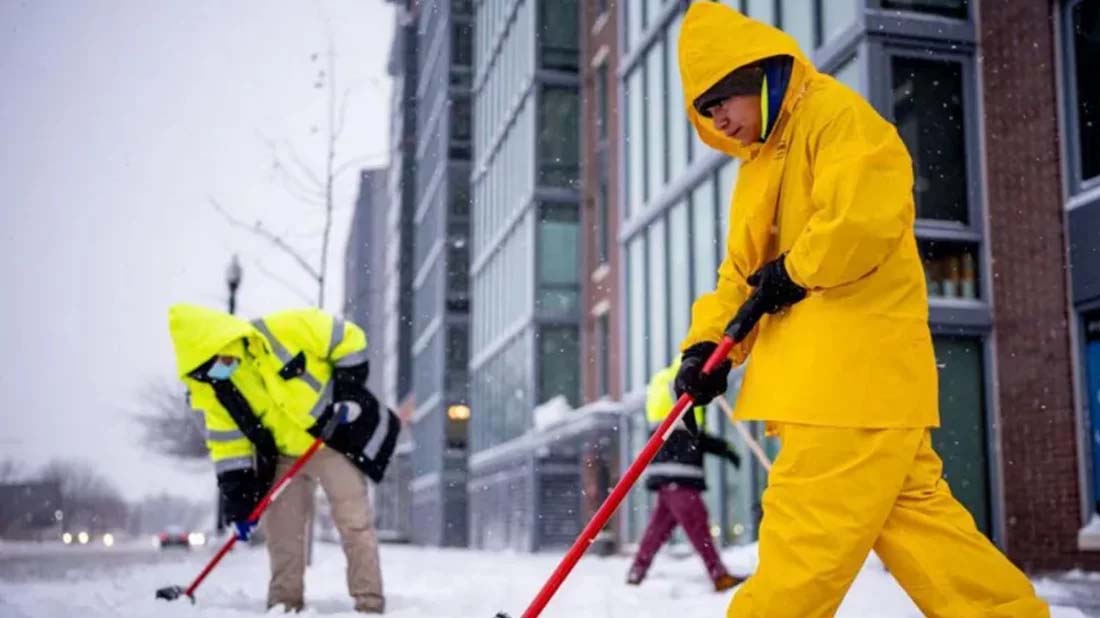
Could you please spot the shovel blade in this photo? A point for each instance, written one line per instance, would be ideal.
(171, 593)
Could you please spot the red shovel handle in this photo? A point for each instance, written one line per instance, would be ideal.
(257, 511)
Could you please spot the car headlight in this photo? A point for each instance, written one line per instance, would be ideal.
(196, 538)
(108, 539)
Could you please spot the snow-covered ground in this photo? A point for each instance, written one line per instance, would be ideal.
(428, 583)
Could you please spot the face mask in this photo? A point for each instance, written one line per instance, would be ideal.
(219, 371)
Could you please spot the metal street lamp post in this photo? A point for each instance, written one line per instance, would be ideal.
(233, 275)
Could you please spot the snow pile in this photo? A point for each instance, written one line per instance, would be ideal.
(428, 583)
(551, 413)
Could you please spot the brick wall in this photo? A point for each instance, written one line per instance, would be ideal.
(599, 38)
(1038, 427)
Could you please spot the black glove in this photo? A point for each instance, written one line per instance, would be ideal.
(777, 291)
(733, 458)
(690, 379)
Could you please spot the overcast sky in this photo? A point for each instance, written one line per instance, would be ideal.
(118, 119)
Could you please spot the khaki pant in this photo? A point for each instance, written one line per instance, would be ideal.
(284, 524)
(834, 494)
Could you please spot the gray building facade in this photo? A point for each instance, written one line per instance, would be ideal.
(525, 257)
(440, 284)
(364, 267)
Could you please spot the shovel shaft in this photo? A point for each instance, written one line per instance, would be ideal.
(607, 509)
(257, 511)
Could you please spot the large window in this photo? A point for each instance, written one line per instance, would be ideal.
(928, 111)
(635, 144)
(704, 238)
(658, 297)
(1092, 397)
(1084, 18)
(762, 10)
(557, 35)
(636, 339)
(559, 137)
(951, 269)
(677, 121)
(798, 21)
(634, 23)
(961, 438)
(462, 44)
(457, 352)
(558, 261)
(836, 16)
(461, 129)
(458, 274)
(851, 74)
(655, 120)
(679, 280)
(559, 363)
(727, 181)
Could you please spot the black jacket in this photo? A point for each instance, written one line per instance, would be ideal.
(680, 460)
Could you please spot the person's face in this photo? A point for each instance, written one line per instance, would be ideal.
(738, 118)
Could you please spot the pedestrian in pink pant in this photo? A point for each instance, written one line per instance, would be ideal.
(676, 474)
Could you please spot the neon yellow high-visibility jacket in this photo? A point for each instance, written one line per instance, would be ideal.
(284, 378)
(832, 188)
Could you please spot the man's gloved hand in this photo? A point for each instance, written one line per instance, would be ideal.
(690, 379)
(244, 530)
(777, 291)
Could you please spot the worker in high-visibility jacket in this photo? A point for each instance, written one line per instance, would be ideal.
(266, 389)
(842, 367)
(676, 475)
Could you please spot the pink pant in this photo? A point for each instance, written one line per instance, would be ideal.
(684, 506)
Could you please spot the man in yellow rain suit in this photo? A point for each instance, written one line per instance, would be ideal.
(266, 390)
(842, 368)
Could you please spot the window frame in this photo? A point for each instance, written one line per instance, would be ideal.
(1075, 181)
(880, 55)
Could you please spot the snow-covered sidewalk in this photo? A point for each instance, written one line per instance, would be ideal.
(431, 583)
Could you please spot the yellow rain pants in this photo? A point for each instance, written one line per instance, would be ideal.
(834, 494)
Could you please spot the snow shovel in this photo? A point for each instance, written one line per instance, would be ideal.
(750, 441)
(171, 593)
(748, 314)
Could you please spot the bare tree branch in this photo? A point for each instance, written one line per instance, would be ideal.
(300, 193)
(259, 230)
(286, 283)
(169, 425)
(310, 184)
(339, 130)
(296, 159)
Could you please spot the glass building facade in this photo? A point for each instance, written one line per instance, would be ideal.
(525, 260)
(440, 284)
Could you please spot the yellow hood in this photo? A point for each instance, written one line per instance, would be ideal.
(716, 40)
(199, 333)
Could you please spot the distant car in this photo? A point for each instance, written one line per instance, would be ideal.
(173, 536)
